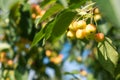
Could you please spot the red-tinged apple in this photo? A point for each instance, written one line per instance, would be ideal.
(99, 37)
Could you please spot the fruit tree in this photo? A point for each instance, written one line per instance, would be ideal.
(59, 40)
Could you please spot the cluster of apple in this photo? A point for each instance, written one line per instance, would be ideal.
(5, 60)
(54, 57)
(81, 30)
(97, 15)
(36, 11)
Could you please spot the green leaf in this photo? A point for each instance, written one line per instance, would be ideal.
(62, 21)
(117, 70)
(26, 7)
(75, 72)
(48, 29)
(38, 37)
(51, 30)
(5, 5)
(66, 73)
(56, 69)
(47, 2)
(64, 3)
(118, 77)
(54, 9)
(44, 33)
(102, 27)
(110, 10)
(72, 72)
(77, 3)
(107, 55)
(21, 76)
(37, 22)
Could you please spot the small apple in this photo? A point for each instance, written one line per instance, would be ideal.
(58, 59)
(80, 33)
(90, 29)
(33, 15)
(73, 25)
(79, 59)
(2, 54)
(3, 57)
(10, 63)
(83, 72)
(97, 17)
(42, 12)
(48, 53)
(99, 37)
(81, 24)
(96, 11)
(71, 34)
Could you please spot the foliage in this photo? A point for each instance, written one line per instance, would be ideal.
(34, 37)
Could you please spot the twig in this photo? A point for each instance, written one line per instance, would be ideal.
(75, 77)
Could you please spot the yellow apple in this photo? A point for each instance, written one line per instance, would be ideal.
(81, 24)
(80, 33)
(71, 34)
